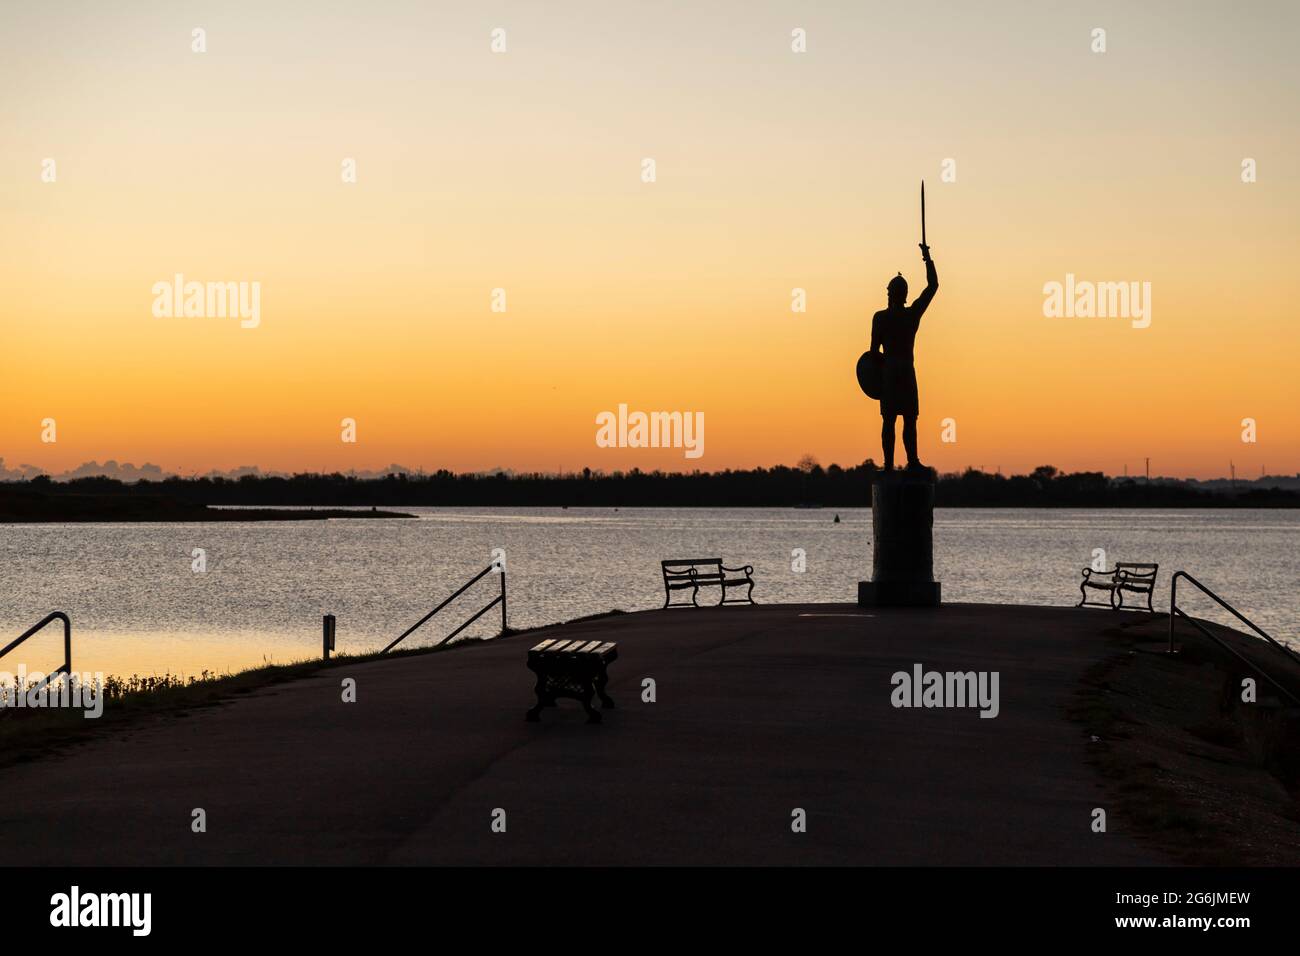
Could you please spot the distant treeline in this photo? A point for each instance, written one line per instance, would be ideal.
(781, 486)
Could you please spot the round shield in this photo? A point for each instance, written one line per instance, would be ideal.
(871, 374)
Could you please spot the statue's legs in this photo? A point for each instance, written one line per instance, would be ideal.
(909, 440)
(887, 438)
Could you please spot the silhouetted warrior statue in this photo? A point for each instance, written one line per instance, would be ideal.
(893, 330)
(902, 504)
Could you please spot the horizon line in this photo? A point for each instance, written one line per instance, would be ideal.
(129, 473)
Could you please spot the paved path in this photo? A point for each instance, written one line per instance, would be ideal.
(760, 710)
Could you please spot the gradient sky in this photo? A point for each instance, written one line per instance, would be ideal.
(522, 170)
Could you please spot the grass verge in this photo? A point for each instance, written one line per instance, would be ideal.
(1190, 767)
(29, 734)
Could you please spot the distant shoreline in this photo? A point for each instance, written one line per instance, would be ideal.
(808, 486)
(77, 513)
(85, 509)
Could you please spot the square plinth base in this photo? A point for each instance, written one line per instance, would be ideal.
(898, 593)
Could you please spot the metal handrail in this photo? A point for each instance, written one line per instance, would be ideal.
(499, 599)
(66, 667)
(1175, 611)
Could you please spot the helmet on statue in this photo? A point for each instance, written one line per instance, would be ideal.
(897, 287)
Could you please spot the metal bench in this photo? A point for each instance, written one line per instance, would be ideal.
(1137, 578)
(574, 669)
(686, 573)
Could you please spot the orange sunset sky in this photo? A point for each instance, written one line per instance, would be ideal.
(522, 170)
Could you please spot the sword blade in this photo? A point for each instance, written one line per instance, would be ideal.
(922, 212)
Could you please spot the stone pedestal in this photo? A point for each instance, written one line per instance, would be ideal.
(902, 553)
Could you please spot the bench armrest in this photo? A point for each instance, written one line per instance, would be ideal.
(747, 568)
(1089, 572)
(1127, 575)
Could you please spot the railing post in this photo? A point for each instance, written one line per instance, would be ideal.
(1173, 609)
(503, 600)
(327, 635)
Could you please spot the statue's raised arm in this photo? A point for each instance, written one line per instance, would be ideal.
(922, 301)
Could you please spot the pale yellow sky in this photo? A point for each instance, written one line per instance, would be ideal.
(521, 170)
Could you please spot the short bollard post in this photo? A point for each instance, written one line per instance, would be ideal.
(327, 635)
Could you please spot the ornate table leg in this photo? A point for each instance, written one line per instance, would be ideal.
(588, 691)
(602, 678)
(535, 712)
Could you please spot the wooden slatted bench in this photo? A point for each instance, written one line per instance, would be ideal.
(575, 669)
(695, 573)
(1135, 577)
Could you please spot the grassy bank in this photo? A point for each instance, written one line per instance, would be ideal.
(27, 734)
(1191, 767)
(129, 702)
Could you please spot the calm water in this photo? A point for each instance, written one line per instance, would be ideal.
(137, 606)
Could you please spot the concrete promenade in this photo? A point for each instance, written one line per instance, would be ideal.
(760, 710)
